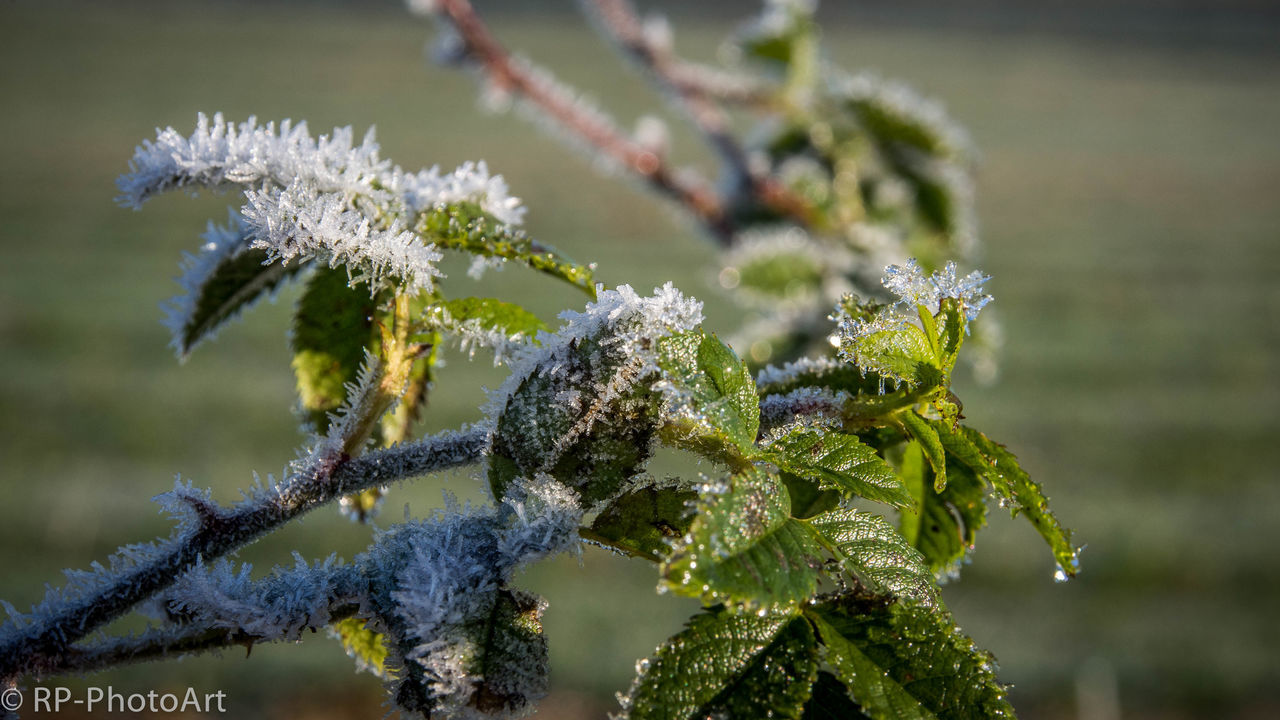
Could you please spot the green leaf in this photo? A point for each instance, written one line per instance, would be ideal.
(943, 526)
(920, 150)
(841, 462)
(952, 328)
(332, 329)
(877, 555)
(237, 282)
(924, 433)
(830, 701)
(905, 661)
(745, 548)
(807, 498)
(363, 645)
(718, 411)
(507, 318)
(994, 463)
(467, 228)
(889, 124)
(780, 275)
(899, 352)
(646, 521)
(733, 665)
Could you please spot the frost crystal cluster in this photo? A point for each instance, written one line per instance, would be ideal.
(324, 199)
(833, 482)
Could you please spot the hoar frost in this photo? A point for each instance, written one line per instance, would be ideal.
(432, 587)
(325, 198)
(579, 404)
(912, 286)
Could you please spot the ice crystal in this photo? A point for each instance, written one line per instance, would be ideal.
(619, 320)
(221, 153)
(791, 371)
(481, 264)
(278, 607)
(445, 575)
(912, 286)
(469, 182)
(301, 222)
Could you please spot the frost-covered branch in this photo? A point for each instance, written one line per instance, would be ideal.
(165, 643)
(208, 531)
(548, 96)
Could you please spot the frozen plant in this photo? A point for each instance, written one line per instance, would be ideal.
(839, 486)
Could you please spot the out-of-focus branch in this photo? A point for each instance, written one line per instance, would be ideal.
(690, 86)
(694, 194)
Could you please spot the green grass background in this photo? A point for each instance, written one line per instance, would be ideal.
(1128, 196)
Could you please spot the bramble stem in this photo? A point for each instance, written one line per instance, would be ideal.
(159, 645)
(36, 647)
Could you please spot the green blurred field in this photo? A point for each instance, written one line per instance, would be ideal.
(1129, 203)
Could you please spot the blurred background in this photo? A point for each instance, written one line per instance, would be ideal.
(1128, 195)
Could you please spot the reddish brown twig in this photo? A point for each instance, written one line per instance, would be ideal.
(694, 194)
(688, 84)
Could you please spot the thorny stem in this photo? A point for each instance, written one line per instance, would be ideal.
(222, 530)
(619, 19)
(694, 194)
(145, 648)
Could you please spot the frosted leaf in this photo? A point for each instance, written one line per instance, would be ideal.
(219, 243)
(300, 222)
(904, 101)
(913, 348)
(577, 404)
(469, 182)
(619, 319)
(783, 269)
(220, 153)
